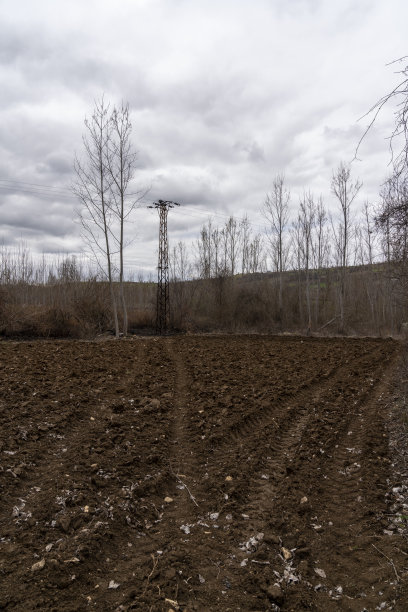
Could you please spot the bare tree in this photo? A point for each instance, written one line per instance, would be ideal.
(386, 201)
(399, 135)
(398, 142)
(306, 220)
(182, 292)
(276, 213)
(219, 249)
(216, 244)
(180, 266)
(296, 240)
(345, 191)
(393, 218)
(93, 188)
(232, 243)
(205, 251)
(121, 160)
(320, 248)
(392, 221)
(245, 244)
(369, 237)
(256, 255)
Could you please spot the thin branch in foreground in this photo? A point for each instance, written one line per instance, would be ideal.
(155, 562)
(390, 561)
(193, 499)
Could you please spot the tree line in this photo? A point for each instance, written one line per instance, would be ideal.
(306, 240)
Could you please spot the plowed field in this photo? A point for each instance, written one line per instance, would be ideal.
(198, 473)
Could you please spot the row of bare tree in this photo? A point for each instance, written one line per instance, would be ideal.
(314, 246)
(313, 257)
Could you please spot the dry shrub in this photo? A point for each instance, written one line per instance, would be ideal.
(21, 320)
(18, 320)
(3, 310)
(37, 322)
(57, 323)
(92, 313)
(141, 319)
(182, 299)
(251, 309)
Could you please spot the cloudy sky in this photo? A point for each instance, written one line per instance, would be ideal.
(224, 94)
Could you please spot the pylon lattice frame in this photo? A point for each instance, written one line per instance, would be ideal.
(163, 293)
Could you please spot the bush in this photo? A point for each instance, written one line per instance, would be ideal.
(92, 313)
(141, 319)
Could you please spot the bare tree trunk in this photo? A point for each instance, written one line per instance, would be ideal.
(245, 245)
(275, 211)
(345, 191)
(320, 249)
(233, 239)
(306, 222)
(121, 165)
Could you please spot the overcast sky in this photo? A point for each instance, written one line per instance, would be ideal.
(224, 94)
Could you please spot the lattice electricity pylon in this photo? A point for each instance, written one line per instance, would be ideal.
(163, 298)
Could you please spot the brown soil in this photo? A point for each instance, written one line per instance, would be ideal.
(199, 473)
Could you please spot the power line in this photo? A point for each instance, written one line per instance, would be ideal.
(49, 191)
(41, 185)
(46, 196)
(44, 191)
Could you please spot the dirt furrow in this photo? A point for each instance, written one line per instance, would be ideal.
(180, 541)
(186, 446)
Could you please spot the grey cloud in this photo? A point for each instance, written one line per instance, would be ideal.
(35, 213)
(8, 237)
(39, 66)
(56, 247)
(180, 187)
(59, 163)
(255, 153)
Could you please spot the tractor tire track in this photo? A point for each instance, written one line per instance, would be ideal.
(184, 463)
(276, 412)
(269, 480)
(354, 479)
(183, 528)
